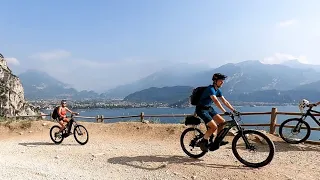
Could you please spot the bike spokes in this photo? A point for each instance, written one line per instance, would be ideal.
(81, 134)
(189, 142)
(254, 149)
(55, 135)
(295, 130)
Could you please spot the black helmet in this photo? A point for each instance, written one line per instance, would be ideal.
(63, 101)
(217, 76)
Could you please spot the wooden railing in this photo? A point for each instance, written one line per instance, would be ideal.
(272, 125)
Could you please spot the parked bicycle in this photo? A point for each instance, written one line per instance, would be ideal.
(79, 132)
(290, 129)
(251, 140)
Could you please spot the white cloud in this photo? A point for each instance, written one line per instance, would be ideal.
(51, 55)
(278, 58)
(287, 23)
(12, 61)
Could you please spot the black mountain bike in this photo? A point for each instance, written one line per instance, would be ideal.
(295, 126)
(79, 132)
(251, 140)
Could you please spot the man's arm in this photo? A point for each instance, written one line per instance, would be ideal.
(69, 110)
(217, 103)
(226, 102)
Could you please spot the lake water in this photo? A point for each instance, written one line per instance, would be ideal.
(315, 135)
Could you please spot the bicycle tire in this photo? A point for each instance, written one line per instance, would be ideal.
(184, 148)
(293, 141)
(75, 132)
(52, 138)
(249, 164)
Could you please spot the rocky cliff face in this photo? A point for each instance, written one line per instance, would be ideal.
(12, 100)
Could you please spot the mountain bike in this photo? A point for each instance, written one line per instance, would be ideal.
(294, 126)
(249, 137)
(79, 131)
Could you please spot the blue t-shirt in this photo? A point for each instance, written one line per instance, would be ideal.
(205, 99)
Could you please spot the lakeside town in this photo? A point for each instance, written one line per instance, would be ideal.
(119, 103)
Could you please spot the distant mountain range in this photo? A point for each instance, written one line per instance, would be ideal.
(179, 95)
(247, 80)
(165, 94)
(297, 64)
(40, 85)
(247, 76)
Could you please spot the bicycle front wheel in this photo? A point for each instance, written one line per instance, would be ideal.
(245, 147)
(81, 134)
(294, 130)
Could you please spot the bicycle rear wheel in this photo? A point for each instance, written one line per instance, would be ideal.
(188, 141)
(254, 139)
(81, 134)
(55, 135)
(294, 130)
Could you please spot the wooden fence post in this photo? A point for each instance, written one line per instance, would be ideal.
(102, 120)
(273, 120)
(141, 116)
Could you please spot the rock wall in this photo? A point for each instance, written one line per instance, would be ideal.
(12, 100)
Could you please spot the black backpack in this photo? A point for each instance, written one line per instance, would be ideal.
(55, 114)
(196, 95)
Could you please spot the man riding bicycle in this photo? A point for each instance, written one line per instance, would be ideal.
(205, 111)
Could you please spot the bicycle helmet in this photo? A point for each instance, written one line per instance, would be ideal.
(217, 76)
(303, 103)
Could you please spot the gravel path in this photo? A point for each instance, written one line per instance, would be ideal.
(137, 151)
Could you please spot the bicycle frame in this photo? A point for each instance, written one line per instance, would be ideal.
(230, 124)
(308, 113)
(70, 123)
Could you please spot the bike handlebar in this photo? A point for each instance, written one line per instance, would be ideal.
(75, 113)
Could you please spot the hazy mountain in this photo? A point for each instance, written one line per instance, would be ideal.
(178, 96)
(177, 75)
(299, 65)
(314, 86)
(246, 76)
(40, 85)
(248, 79)
(164, 94)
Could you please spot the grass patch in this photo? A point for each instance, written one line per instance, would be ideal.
(14, 124)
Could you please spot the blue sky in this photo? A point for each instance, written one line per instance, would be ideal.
(102, 44)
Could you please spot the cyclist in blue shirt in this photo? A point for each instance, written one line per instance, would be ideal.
(205, 111)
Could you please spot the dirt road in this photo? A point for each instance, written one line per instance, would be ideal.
(136, 151)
